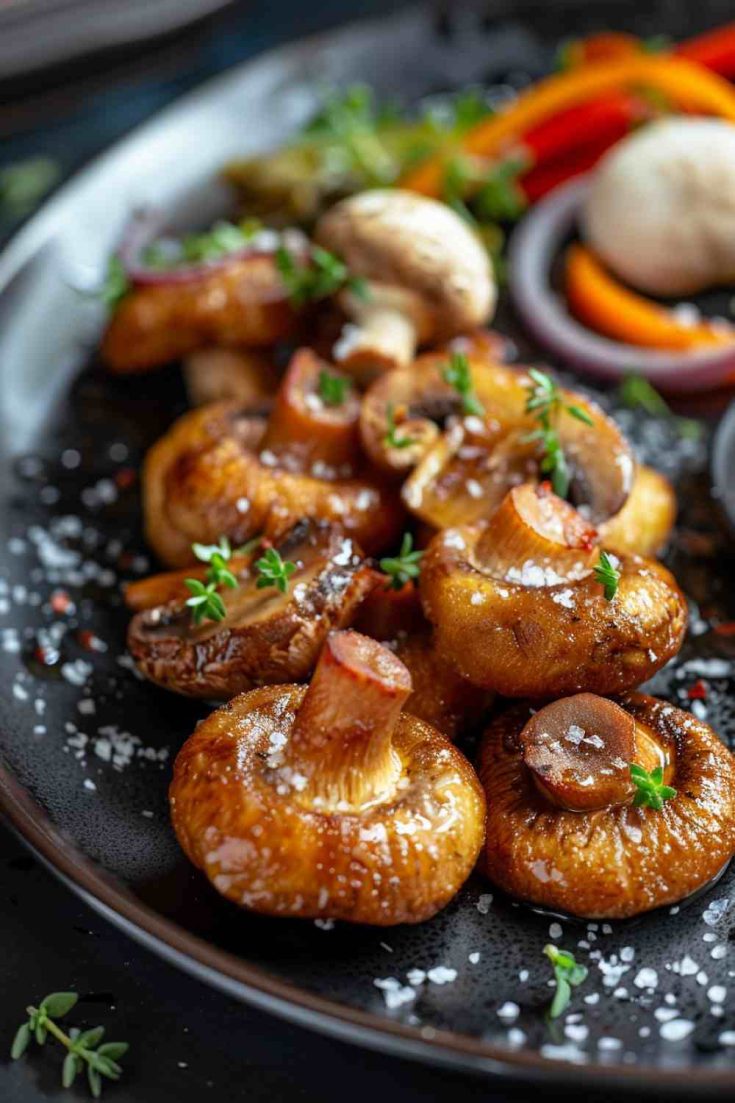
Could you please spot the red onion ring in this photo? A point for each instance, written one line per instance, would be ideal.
(146, 226)
(534, 245)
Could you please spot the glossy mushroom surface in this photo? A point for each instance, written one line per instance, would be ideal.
(563, 830)
(267, 636)
(212, 474)
(242, 304)
(523, 590)
(329, 801)
(644, 524)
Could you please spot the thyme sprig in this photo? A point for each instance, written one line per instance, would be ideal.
(651, 792)
(637, 393)
(205, 601)
(332, 388)
(403, 567)
(222, 239)
(545, 403)
(607, 574)
(457, 374)
(392, 438)
(317, 277)
(274, 571)
(567, 975)
(83, 1046)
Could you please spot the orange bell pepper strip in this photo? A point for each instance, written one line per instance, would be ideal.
(606, 46)
(604, 305)
(683, 82)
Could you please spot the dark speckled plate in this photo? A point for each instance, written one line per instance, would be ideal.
(87, 748)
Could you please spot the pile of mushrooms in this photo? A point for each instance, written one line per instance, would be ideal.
(329, 786)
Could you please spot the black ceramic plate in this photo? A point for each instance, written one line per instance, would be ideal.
(87, 748)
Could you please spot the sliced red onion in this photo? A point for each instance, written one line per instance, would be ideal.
(533, 248)
(146, 227)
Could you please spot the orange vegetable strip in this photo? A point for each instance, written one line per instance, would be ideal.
(685, 83)
(608, 307)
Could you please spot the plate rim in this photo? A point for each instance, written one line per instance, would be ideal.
(225, 971)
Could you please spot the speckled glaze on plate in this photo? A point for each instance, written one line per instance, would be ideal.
(86, 747)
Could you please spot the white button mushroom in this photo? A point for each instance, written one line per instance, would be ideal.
(661, 207)
(428, 276)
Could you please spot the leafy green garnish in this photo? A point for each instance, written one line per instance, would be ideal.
(205, 602)
(332, 388)
(635, 391)
(114, 286)
(457, 374)
(24, 183)
(545, 402)
(350, 121)
(567, 973)
(403, 567)
(201, 248)
(317, 278)
(83, 1047)
(274, 571)
(608, 575)
(650, 789)
(392, 439)
(500, 198)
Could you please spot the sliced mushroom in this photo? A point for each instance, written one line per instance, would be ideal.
(246, 375)
(211, 475)
(464, 475)
(241, 304)
(266, 636)
(428, 277)
(329, 801)
(563, 829)
(524, 591)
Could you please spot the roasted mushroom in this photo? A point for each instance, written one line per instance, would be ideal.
(241, 304)
(246, 375)
(569, 826)
(222, 470)
(644, 524)
(329, 801)
(463, 476)
(526, 591)
(427, 276)
(266, 635)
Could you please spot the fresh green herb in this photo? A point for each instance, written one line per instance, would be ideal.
(201, 248)
(114, 286)
(650, 789)
(332, 388)
(24, 183)
(392, 439)
(317, 278)
(403, 567)
(274, 571)
(205, 602)
(567, 974)
(545, 402)
(635, 391)
(656, 44)
(608, 575)
(457, 374)
(350, 122)
(501, 199)
(83, 1047)
(468, 108)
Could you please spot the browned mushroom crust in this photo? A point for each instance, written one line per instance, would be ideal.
(530, 626)
(207, 477)
(644, 524)
(440, 696)
(267, 636)
(241, 819)
(617, 861)
(242, 304)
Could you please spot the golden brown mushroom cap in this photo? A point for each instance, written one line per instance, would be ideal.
(617, 860)
(266, 636)
(329, 802)
(644, 524)
(516, 606)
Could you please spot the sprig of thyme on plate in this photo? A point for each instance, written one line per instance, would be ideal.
(567, 975)
(84, 1048)
(332, 388)
(316, 277)
(545, 403)
(404, 567)
(205, 601)
(274, 571)
(392, 438)
(457, 374)
(651, 792)
(608, 575)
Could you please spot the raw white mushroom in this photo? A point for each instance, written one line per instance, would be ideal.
(661, 208)
(428, 276)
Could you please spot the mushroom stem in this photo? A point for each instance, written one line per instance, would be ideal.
(304, 426)
(383, 332)
(535, 539)
(341, 741)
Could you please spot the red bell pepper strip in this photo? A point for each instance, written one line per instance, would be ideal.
(542, 179)
(609, 117)
(714, 50)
